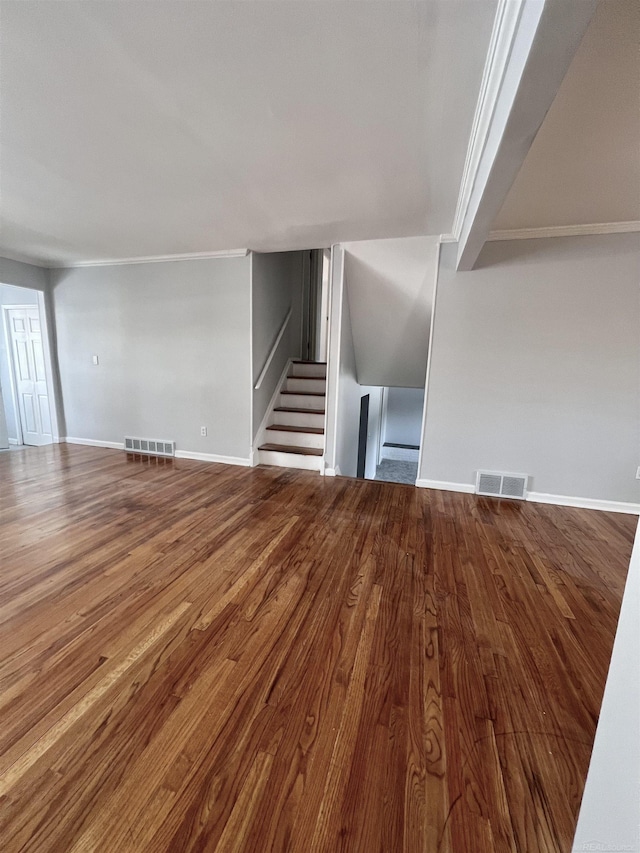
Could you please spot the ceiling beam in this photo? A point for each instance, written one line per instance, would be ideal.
(532, 45)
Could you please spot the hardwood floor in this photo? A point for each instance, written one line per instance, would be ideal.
(201, 657)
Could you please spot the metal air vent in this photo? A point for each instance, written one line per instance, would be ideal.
(501, 485)
(150, 446)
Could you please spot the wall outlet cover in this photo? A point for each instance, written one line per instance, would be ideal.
(203, 431)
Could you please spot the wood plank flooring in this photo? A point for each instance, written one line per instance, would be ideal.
(200, 657)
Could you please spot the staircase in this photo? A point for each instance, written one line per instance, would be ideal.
(294, 437)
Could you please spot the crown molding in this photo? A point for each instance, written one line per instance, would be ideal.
(447, 238)
(152, 259)
(566, 230)
(503, 34)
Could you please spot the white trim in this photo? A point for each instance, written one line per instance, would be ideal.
(332, 472)
(14, 441)
(252, 460)
(11, 367)
(92, 442)
(150, 259)
(333, 358)
(584, 503)
(443, 486)
(540, 497)
(505, 27)
(384, 408)
(566, 231)
(49, 354)
(447, 238)
(427, 378)
(179, 454)
(213, 457)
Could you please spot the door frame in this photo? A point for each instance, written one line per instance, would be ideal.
(48, 365)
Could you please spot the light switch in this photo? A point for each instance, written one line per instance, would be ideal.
(94, 359)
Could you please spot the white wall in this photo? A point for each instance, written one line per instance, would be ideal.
(610, 812)
(173, 341)
(349, 394)
(403, 415)
(390, 285)
(276, 286)
(536, 367)
(11, 296)
(343, 390)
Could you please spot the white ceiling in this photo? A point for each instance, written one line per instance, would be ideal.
(142, 128)
(584, 164)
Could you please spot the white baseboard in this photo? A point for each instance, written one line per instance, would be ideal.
(14, 441)
(443, 486)
(332, 472)
(541, 497)
(180, 454)
(213, 457)
(91, 442)
(584, 503)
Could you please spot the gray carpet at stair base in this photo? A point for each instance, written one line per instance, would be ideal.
(397, 472)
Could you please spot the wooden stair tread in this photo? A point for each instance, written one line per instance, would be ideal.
(302, 361)
(290, 448)
(287, 428)
(304, 393)
(308, 378)
(298, 410)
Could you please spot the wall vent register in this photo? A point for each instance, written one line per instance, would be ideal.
(150, 446)
(500, 485)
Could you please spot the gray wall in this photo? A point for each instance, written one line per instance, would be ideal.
(276, 286)
(403, 423)
(536, 367)
(11, 296)
(173, 341)
(23, 275)
(390, 285)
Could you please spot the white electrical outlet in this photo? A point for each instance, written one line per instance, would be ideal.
(94, 359)
(203, 431)
(638, 473)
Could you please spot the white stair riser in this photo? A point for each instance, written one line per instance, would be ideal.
(290, 460)
(309, 370)
(302, 401)
(311, 386)
(299, 439)
(298, 419)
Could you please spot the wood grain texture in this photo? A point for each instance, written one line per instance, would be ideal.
(201, 657)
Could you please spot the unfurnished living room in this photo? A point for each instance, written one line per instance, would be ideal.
(319, 426)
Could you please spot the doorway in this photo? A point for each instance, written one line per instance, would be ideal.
(316, 282)
(26, 368)
(400, 435)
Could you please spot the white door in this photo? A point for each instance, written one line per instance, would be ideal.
(30, 376)
(4, 435)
